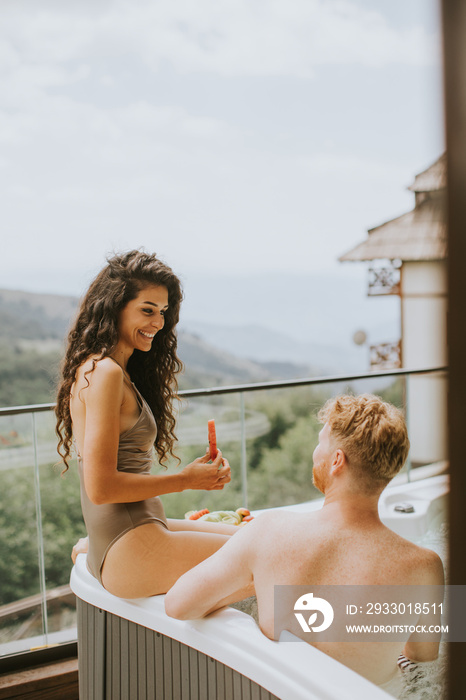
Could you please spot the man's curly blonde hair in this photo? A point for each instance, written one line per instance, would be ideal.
(372, 433)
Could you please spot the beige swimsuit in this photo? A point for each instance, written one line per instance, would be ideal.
(106, 523)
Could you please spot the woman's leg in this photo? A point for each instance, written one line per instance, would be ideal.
(82, 545)
(149, 559)
(201, 526)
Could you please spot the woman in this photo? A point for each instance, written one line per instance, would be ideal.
(115, 403)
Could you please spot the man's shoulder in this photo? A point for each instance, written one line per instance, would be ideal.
(424, 563)
(271, 525)
(275, 517)
(430, 563)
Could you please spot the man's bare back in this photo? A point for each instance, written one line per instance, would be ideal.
(326, 548)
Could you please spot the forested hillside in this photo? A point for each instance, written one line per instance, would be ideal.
(32, 329)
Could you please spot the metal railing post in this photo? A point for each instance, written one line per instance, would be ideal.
(406, 404)
(40, 539)
(244, 471)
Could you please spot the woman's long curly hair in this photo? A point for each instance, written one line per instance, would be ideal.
(95, 333)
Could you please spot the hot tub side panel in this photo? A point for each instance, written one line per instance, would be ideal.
(121, 660)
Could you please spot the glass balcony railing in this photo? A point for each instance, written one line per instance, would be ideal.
(268, 432)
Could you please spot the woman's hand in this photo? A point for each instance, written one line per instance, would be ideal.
(81, 547)
(207, 476)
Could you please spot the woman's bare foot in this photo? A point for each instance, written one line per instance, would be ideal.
(81, 547)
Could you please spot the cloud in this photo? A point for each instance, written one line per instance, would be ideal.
(84, 174)
(193, 188)
(229, 37)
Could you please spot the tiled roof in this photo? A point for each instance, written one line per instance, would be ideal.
(432, 179)
(418, 235)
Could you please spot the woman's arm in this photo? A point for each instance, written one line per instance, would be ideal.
(103, 482)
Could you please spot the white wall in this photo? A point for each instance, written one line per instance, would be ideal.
(423, 322)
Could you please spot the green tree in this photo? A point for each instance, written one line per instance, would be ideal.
(62, 525)
(62, 521)
(26, 376)
(19, 571)
(284, 473)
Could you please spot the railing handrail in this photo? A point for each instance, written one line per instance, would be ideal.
(258, 386)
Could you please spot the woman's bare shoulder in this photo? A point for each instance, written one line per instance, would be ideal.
(99, 372)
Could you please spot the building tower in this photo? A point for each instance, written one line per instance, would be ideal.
(408, 258)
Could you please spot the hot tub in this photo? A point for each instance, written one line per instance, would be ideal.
(129, 649)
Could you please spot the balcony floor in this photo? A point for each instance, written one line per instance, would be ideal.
(53, 681)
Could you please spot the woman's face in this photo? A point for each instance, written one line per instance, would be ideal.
(142, 318)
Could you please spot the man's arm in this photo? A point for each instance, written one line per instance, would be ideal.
(223, 578)
(428, 651)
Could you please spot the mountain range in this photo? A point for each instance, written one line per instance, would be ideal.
(239, 329)
(306, 320)
(39, 323)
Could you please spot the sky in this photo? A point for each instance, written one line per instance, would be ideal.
(231, 137)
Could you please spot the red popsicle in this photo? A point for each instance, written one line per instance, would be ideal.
(212, 439)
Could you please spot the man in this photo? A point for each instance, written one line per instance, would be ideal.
(363, 444)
